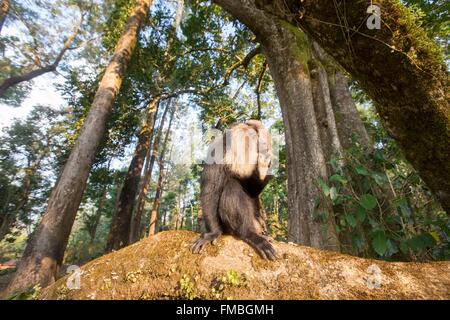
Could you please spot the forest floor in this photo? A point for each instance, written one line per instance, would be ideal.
(162, 267)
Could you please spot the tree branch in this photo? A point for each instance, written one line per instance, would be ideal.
(14, 80)
(258, 88)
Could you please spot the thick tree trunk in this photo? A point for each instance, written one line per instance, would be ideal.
(4, 9)
(159, 187)
(288, 52)
(119, 233)
(348, 120)
(147, 178)
(323, 107)
(45, 251)
(398, 67)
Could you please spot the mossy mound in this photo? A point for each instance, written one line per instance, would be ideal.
(162, 267)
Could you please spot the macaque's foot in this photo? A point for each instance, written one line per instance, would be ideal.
(263, 247)
(203, 240)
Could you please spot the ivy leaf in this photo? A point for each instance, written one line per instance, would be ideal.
(380, 243)
(368, 201)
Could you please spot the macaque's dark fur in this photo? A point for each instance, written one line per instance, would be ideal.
(231, 205)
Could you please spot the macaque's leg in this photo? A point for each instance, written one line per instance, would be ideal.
(212, 182)
(239, 215)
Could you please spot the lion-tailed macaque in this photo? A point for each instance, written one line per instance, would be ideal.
(235, 173)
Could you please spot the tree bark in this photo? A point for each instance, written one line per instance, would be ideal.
(6, 223)
(397, 66)
(147, 178)
(323, 106)
(159, 187)
(119, 233)
(348, 120)
(45, 251)
(12, 81)
(287, 51)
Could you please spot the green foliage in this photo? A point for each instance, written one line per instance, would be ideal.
(29, 149)
(35, 33)
(381, 206)
(186, 287)
(231, 279)
(30, 294)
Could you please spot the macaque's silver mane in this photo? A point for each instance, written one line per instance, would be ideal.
(243, 148)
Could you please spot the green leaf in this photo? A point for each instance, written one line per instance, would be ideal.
(338, 178)
(333, 193)
(350, 220)
(361, 170)
(368, 201)
(404, 247)
(357, 242)
(325, 188)
(379, 178)
(360, 214)
(380, 243)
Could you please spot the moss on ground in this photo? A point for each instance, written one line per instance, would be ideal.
(162, 267)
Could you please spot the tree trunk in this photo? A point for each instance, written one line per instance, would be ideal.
(398, 66)
(136, 234)
(348, 121)
(4, 9)
(45, 251)
(6, 223)
(98, 214)
(157, 200)
(288, 51)
(323, 107)
(119, 233)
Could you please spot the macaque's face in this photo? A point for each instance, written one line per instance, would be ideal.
(241, 150)
(244, 148)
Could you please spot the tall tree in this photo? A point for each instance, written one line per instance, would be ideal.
(288, 53)
(28, 150)
(136, 229)
(45, 251)
(399, 67)
(121, 224)
(159, 187)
